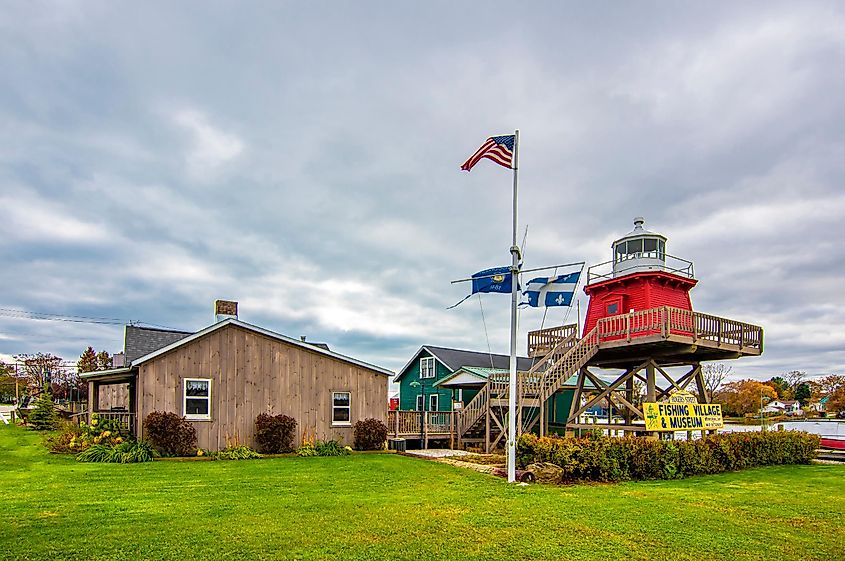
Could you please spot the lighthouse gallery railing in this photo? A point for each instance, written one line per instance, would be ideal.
(668, 321)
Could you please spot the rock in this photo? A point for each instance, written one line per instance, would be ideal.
(545, 472)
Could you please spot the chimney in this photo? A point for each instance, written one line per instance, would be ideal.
(225, 309)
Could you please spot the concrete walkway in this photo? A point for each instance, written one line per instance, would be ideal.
(437, 453)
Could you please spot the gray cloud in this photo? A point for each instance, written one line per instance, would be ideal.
(304, 161)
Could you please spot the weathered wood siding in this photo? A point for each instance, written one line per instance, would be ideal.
(253, 374)
(114, 395)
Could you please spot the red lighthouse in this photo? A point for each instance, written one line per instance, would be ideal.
(641, 276)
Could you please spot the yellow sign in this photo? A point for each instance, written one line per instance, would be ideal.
(682, 412)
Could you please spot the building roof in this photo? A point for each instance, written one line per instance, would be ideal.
(140, 341)
(453, 359)
(261, 331)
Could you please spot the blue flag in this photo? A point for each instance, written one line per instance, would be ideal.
(498, 279)
(554, 291)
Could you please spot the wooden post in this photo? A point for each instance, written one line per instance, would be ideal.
(629, 395)
(487, 428)
(543, 420)
(650, 388)
(396, 414)
(425, 429)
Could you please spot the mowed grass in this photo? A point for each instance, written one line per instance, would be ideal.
(383, 506)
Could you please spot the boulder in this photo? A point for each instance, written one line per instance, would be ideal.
(546, 472)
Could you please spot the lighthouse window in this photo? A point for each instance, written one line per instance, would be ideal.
(634, 247)
(650, 248)
(620, 252)
(661, 249)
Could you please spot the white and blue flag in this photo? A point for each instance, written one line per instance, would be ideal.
(552, 291)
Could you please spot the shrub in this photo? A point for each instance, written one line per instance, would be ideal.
(620, 459)
(67, 441)
(331, 448)
(170, 434)
(274, 433)
(238, 452)
(370, 434)
(129, 452)
(43, 416)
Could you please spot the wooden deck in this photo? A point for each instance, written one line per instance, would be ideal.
(439, 425)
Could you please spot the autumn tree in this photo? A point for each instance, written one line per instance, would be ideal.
(745, 396)
(780, 386)
(40, 370)
(836, 400)
(826, 385)
(87, 361)
(104, 360)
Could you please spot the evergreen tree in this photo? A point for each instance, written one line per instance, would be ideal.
(44, 416)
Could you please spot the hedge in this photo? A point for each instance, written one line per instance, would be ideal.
(602, 458)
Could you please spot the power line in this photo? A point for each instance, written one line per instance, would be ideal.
(43, 316)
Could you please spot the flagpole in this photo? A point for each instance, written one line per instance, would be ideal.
(512, 401)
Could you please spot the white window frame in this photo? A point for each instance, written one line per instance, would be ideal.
(420, 401)
(185, 396)
(433, 401)
(430, 367)
(347, 407)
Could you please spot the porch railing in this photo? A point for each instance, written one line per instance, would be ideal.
(407, 423)
(125, 420)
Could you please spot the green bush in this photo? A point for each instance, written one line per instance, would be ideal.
(43, 416)
(274, 433)
(331, 448)
(370, 434)
(170, 434)
(239, 452)
(631, 458)
(129, 452)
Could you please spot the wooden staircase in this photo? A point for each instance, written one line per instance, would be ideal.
(483, 418)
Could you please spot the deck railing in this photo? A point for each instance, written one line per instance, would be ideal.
(542, 341)
(124, 419)
(668, 321)
(407, 423)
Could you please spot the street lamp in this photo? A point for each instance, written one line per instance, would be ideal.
(416, 384)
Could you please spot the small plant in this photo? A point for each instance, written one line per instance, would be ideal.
(306, 451)
(331, 448)
(370, 434)
(170, 434)
(239, 452)
(43, 416)
(129, 452)
(274, 434)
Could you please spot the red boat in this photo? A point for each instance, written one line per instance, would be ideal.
(833, 442)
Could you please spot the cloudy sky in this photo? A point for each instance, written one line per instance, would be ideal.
(303, 159)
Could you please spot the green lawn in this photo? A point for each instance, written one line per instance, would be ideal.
(380, 506)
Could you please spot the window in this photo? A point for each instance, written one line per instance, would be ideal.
(427, 367)
(420, 402)
(433, 402)
(650, 248)
(341, 408)
(197, 399)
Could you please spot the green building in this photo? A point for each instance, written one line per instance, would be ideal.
(445, 379)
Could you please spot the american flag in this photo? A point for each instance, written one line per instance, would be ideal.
(497, 148)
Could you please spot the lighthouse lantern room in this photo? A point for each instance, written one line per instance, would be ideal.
(641, 276)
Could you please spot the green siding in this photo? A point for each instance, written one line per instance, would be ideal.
(408, 395)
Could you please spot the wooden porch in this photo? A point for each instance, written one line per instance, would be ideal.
(423, 425)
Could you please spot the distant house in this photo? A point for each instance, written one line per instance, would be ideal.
(783, 407)
(222, 377)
